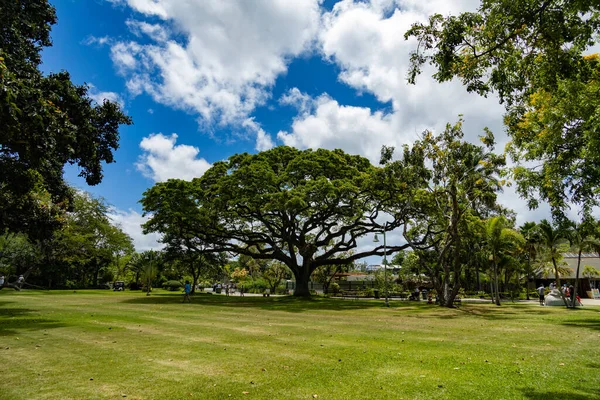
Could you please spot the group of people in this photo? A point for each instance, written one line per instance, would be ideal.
(17, 285)
(567, 290)
(228, 287)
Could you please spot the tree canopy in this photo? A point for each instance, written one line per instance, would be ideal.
(532, 54)
(47, 121)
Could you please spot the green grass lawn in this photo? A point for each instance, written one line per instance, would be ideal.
(105, 345)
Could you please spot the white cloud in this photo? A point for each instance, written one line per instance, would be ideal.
(131, 222)
(356, 130)
(263, 139)
(101, 41)
(295, 98)
(99, 97)
(233, 52)
(163, 159)
(154, 31)
(124, 55)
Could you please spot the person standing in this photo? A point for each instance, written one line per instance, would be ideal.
(1, 281)
(187, 288)
(541, 291)
(572, 294)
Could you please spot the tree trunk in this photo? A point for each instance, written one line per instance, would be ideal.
(96, 272)
(527, 276)
(496, 283)
(477, 276)
(574, 294)
(195, 275)
(302, 275)
(452, 296)
(562, 295)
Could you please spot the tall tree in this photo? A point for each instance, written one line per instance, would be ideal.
(501, 243)
(532, 54)
(17, 255)
(149, 268)
(273, 275)
(464, 180)
(530, 233)
(179, 225)
(86, 244)
(553, 238)
(581, 240)
(301, 208)
(47, 121)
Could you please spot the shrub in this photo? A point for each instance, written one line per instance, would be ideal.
(172, 285)
(334, 288)
(255, 285)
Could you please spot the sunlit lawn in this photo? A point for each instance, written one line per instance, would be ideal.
(105, 345)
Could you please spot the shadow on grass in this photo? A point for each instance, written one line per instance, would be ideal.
(539, 395)
(593, 365)
(15, 320)
(589, 323)
(287, 303)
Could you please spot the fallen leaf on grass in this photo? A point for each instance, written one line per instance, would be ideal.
(245, 392)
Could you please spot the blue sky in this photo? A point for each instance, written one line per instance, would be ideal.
(230, 76)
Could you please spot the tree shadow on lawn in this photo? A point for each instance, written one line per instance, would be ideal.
(15, 320)
(581, 394)
(589, 323)
(512, 311)
(287, 303)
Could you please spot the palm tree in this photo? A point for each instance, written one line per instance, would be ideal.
(531, 235)
(581, 240)
(135, 264)
(149, 269)
(552, 238)
(500, 242)
(590, 272)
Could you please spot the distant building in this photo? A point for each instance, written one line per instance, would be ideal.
(585, 284)
(381, 267)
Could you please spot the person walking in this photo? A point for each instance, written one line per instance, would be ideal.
(187, 288)
(541, 291)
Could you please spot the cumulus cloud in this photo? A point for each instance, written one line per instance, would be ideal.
(357, 130)
(100, 41)
(153, 31)
(131, 222)
(163, 159)
(231, 54)
(99, 96)
(263, 139)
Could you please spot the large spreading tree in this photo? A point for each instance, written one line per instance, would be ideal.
(532, 54)
(304, 209)
(46, 122)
